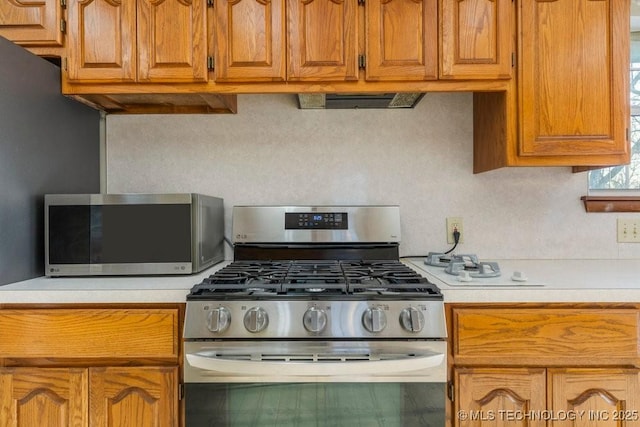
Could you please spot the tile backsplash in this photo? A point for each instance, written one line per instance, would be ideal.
(420, 159)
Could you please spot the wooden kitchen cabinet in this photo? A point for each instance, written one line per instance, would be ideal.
(537, 365)
(570, 104)
(96, 366)
(401, 39)
(322, 40)
(485, 395)
(96, 397)
(574, 67)
(137, 41)
(477, 39)
(250, 40)
(600, 396)
(55, 397)
(32, 22)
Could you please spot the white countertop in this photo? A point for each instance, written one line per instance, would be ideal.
(99, 289)
(548, 281)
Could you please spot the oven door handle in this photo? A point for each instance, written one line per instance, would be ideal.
(385, 367)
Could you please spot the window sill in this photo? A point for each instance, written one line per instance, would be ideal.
(611, 203)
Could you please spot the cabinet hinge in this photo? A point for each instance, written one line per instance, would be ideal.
(180, 391)
(209, 3)
(628, 134)
(451, 391)
(210, 63)
(362, 61)
(63, 4)
(63, 26)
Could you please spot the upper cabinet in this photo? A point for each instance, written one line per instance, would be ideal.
(32, 22)
(250, 40)
(137, 41)
(401, 39)
(477, 39)
(323, 40)
(573, 85)
(392, 40)
(570, 103)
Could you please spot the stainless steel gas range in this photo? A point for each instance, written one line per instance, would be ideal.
(316, 322)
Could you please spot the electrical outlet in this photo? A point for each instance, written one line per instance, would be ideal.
(454, 223)
(628, 230)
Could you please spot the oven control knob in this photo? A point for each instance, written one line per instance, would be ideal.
(411, 319)
(374, 319)
(256, 319)
(218, 319)
(314, 320)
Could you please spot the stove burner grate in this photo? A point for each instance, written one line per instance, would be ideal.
(314, 279)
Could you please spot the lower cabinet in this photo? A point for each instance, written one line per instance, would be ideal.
(544, 365)
(101, 396)
(94, 366)
(537, 397)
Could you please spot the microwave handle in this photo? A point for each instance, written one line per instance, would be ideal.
(386, 367)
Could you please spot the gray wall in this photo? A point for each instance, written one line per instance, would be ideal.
(48, 144)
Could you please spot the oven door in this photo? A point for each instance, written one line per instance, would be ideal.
(315, 383)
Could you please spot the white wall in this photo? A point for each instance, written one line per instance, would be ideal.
(273, 153)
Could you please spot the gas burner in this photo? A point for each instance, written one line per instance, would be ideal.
(356, 279)
(438, 259)
(470, 264)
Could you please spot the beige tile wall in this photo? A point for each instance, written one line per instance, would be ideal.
(273, 153)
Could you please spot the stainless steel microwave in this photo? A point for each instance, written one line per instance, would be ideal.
(132, 234)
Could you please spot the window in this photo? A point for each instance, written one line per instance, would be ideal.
(626, 177)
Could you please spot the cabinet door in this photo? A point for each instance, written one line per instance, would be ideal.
(52, 397)
(133, 397)
(102, 40)
(401, 40)
(599, 397)
(31, 22)
(172, 40)
(498, 396)
(476, 39)
(250, 37)
(574, 73)
(323, 40)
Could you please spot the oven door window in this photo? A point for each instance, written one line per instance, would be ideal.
(315, 404)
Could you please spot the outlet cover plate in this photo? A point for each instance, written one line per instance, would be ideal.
(454, 223)
(628, 230)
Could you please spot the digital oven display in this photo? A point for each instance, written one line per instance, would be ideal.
(316, 221)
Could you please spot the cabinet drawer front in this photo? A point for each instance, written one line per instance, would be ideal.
(545, 336)
(88, 333)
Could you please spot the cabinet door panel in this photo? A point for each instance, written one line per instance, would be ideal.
(250, 40)
(31, 22)
(476, 39)
(102, 40)
(491, 396)
(43, 397)
(602, 397)
(132, 397)
(401, 40)
(172, 40)
(322, 40)
(574, 77)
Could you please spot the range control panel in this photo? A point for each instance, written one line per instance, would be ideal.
(316, 221)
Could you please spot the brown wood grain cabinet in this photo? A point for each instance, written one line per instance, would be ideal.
(544, 366)
(137, 41)
(570, 104)
(32, 22)
(250, 40)
(477, 39)
(401, 40)
(90, 366)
